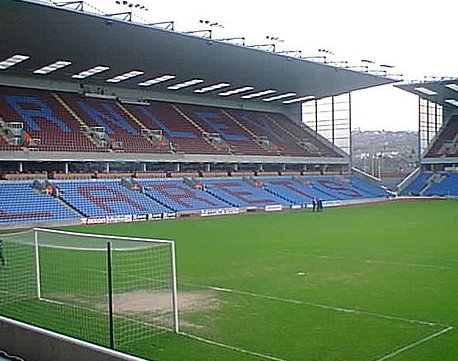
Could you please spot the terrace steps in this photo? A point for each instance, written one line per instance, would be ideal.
(74, 115)
(134, 119)
(286, 130)
(195, 124)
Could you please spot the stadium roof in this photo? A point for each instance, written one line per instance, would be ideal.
(443, 91)
(48, 42)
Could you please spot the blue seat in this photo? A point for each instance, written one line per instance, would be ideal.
(19, 202)
(179, 196)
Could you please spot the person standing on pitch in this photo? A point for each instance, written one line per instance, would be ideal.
(319, 205)
(314, 204)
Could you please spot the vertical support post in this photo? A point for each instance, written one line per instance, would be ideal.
(176, 325)
(110, 296)
(380, 167)
(333, 121)
(37, 264)
(316, 115)
(427, 123)
(435, 118)
(350, 140)
(419, 132)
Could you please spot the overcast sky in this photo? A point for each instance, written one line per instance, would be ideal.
(417, 37)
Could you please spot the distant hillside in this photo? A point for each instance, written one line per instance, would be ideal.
(385, 152)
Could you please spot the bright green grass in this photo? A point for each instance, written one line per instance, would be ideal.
(388, 264)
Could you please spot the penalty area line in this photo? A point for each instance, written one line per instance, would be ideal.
(325, 307)
(233, 348)
(415, 344)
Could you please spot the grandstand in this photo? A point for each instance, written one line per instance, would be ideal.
(90, 134)
(438, 139)
(89, 118)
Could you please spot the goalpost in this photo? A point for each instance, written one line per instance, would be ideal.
(103, 289)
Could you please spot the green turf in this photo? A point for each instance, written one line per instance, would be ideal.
(348, 284)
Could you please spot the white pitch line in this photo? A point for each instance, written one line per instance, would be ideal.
(323, 306)
(53, 301)
(417, 265)
(415, 344)
(311, 304)
(219, 289)
(233, 348)
(404, 264)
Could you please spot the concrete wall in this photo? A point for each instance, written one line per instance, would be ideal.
(32, 343)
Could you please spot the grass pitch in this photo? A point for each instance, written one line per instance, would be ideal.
(369, 283)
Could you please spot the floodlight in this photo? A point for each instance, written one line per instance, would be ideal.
(236, 91)
(90, 72)
(185, 84)
(426, 91)
(259, 94)
(278, 97)
(301, 99)
(453, 102)
(125, 76)
(13, 60)
(212, 87)
(453, 86)
(157, 80)
(52, 67)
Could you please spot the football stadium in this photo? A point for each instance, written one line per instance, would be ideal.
(170, 196)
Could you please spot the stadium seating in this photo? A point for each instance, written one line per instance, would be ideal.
(240, 193)
(345, 188)
(313, 145)
(54, 121)
(366, 189)
(186, 138)
(446, 186)
(446, 143)
(280, 139)
(106, 198)
(301, 190)
(296, 190)
(414, 188)
(44, 119)
(180, 197)
(433, 184)
(215, 120)
(19, 203)
(122, 133)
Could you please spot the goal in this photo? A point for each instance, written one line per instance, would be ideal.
(104, 289)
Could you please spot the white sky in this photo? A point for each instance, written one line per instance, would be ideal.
(415, 36)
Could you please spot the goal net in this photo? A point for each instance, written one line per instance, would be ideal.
(103, 289)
